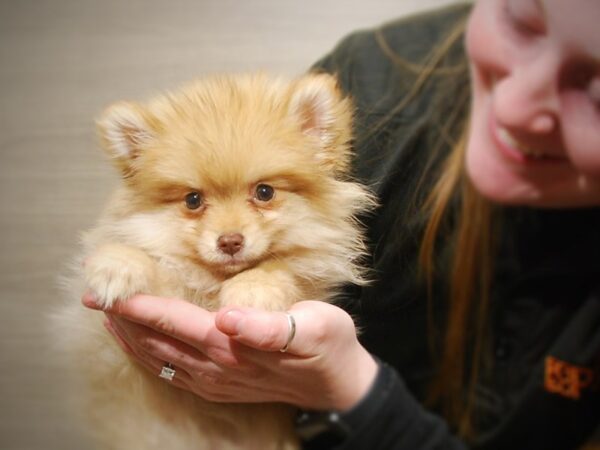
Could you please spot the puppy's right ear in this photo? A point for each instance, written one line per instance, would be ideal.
(125, 129)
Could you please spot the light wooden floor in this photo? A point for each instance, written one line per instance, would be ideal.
(61, 62)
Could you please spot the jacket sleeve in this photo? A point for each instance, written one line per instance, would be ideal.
(390, 418)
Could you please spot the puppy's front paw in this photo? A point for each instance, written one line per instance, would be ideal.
(116, 272)
(241, 291)
(248, 294)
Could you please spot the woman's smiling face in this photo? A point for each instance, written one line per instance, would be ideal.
(534, 137)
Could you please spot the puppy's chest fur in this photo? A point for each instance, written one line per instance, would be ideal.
(254, 287)
(187, 280)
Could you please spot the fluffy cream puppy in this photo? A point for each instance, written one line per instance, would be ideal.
(234, 190)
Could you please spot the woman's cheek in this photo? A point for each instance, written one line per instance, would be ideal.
(580, 123)
(488, 45)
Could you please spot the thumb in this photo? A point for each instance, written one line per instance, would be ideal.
(263, 330)
(317, 324)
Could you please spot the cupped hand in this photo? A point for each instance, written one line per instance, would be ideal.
(233, 355)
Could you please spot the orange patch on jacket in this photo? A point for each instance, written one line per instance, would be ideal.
(567, 380)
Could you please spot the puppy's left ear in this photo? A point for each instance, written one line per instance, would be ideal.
(322, 113)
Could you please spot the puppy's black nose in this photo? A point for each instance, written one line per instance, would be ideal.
(230, 243)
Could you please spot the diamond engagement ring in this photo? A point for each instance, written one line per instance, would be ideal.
(291, 332)
(167, 372)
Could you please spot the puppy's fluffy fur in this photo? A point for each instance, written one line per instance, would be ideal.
(235, 190)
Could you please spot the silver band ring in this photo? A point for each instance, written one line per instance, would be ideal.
(291, 332)
(167, 372)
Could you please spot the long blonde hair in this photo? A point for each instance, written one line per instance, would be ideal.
(468, 285)
(452, 199)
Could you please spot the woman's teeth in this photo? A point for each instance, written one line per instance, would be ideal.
(510, 141)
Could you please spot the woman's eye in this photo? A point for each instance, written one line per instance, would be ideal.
(594, 90)
(524, 16)
(264, 192)
(193, 200)
(585, 79)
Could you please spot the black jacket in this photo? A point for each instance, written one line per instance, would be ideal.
(545, 300)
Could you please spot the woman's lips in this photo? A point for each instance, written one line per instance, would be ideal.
(518, 151)
(508, 140)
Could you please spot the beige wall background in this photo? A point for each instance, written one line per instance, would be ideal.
(61, 62)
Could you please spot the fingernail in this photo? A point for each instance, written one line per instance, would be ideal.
(89, 300)
(230, 322)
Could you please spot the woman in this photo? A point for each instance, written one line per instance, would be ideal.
(485, 314)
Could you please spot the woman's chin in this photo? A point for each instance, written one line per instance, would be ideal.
(498, 183)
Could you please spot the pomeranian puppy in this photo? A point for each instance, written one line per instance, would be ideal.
(234, 190)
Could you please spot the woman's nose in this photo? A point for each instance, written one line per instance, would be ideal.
(526, 98)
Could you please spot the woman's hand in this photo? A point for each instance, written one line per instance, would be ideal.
(233, 355)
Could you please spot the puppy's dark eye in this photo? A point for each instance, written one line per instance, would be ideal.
(193, 200)
(264, 192)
